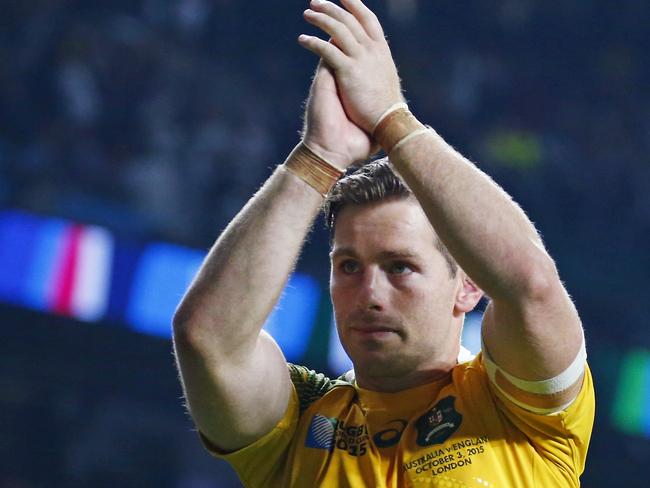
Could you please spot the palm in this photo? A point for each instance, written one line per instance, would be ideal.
(328, 128)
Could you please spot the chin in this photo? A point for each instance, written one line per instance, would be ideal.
(383, 363)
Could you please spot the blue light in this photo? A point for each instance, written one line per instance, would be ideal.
(337, 359)
(471, 338)
(48, 249)
(292, 321)
(164, 273)
(17, 232)
(146, 284)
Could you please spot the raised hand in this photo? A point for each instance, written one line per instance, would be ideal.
(328, 131)
(359, 55)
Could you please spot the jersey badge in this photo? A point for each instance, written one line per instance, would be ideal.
(439, 423)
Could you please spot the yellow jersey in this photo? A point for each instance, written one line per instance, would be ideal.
(457, 432)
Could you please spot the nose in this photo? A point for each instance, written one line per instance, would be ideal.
(372, 290)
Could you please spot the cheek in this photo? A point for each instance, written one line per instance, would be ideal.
(422, 302)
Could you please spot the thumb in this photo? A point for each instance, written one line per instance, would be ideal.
(323, 78)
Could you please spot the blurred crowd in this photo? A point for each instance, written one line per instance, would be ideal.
(129, 114)
(159, 118)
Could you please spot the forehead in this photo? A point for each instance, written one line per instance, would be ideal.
(394, 224)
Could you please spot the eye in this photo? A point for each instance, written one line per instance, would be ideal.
(349, 266)
(399, 268)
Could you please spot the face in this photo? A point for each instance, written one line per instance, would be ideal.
(392, 291)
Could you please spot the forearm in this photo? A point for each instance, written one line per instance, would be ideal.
(483, 228)
(530, 328)
(244, 273)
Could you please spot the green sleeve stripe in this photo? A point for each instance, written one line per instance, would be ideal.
(310, 385)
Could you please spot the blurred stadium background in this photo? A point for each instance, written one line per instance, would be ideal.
(132, 131)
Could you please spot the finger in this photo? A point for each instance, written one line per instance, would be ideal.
(366, 18)
(331, 54)
(342, 16)
(340, 34)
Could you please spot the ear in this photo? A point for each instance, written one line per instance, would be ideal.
(467, 296)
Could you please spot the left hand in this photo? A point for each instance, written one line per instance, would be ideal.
(359, 55)
(327, 129)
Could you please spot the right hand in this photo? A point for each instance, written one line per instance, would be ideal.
(328, 131)
(359, 56)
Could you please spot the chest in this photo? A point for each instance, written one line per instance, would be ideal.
(445, 443)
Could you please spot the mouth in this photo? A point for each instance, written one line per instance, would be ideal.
(373, 327)
(373, 331)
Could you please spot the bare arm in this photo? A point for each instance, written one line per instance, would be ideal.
(531, 327)
(234, 375)
(227, 366)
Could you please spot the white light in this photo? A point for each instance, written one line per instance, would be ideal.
(92, 274)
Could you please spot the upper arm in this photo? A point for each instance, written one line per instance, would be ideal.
(536, 337)
(234, 399)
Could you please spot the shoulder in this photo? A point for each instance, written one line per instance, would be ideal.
(471, 383)
(311, 386)
(470, 366)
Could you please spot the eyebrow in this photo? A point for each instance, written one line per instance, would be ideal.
(396, 254)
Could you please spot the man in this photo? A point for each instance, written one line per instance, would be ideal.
(410, 256)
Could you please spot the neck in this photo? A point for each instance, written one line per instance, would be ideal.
(392, 383)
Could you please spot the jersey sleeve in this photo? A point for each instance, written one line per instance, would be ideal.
(258, 462)
(310, 385)
(560, 434)
(264, 459)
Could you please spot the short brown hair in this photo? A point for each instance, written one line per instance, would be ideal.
(372, 182)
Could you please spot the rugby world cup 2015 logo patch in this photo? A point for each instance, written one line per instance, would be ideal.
(321, 432)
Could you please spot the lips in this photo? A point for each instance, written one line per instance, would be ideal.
(372, 328)
(372, 325)
(375, 335)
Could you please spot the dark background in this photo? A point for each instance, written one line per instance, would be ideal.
(157, 119)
